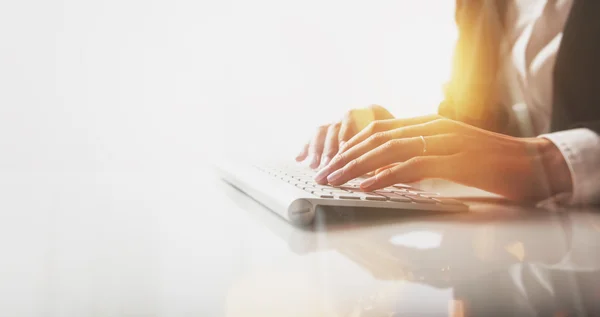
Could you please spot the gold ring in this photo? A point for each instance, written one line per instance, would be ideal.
(424, 144)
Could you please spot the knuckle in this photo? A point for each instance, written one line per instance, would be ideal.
(380, 137)
(352, 165)
(339, 159)
(400, 132)
(445, 123)
(389, 145)
(377, 126)
(370, 128)
(416, 162)
(371, 140)
(433, 127)
(449, 122)
(385, 174)
(332, 128)
(435, 123)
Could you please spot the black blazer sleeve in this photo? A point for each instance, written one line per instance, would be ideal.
(577, 70)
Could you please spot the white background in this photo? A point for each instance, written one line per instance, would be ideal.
(96, 85)
(108, 110)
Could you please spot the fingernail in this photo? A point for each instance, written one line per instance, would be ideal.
(334, 176)
(321, 175)
(368, 182)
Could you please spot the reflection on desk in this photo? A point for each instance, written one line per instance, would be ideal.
(182, 243)
(498, 260)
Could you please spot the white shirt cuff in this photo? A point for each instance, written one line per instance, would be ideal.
(581, 150)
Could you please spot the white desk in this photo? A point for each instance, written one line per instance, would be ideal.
(148, 244)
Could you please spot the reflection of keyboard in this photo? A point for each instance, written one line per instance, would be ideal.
(290, 191)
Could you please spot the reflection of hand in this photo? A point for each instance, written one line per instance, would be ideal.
(518, 168)
(325, 142)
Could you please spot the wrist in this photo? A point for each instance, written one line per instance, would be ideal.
(555, 168)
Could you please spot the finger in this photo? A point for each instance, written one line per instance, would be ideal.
(379, 170)
(330, 148)
(380, 113)
(394, 151)
(413, 170)
(358, 119)
(315, 149)
(380, 138)
(303, 153)
(348, 127)
(385, 125)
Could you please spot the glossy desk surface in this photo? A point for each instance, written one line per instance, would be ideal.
(187, 244)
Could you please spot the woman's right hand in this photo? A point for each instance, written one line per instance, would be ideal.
(328, 138)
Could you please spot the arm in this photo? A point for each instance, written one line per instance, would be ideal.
(523, 169)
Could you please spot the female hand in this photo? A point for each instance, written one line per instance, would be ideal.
(409, 150)
(325, 142)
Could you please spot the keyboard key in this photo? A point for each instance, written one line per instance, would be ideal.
(402, 186)
(419, 199)
(407, 191)
(354, 182)
(303, 178)
(394, 197)
(429, 195)
(368, 196)
(347, 196)
(335, 189)
(448, 201)
(323, 195)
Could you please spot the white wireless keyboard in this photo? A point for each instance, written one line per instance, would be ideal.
(290, 191)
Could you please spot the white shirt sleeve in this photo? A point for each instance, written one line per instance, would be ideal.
(581, 150)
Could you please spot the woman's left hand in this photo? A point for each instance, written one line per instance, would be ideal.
(401, 152)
